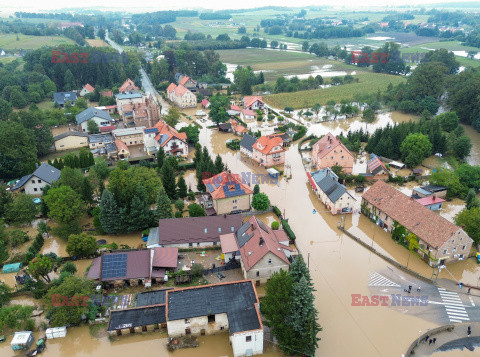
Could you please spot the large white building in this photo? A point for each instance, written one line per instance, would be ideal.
(100, 117)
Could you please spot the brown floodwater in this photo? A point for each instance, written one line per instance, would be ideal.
(474, 158)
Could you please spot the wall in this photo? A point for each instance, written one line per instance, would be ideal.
(241, 346)
(127, 101)
(266, 269)
(334, 157)
(71, 142)
(99, 121)
(30, 187)
(245, 152)
(134, 139)
(194, 245)
(176, 328)
(226, 205)
(345, 201)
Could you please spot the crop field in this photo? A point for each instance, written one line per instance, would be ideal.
(9, 41)
(97, 43)
(368, 83)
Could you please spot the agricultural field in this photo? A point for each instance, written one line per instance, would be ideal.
(368, 83)
(97, 43)
(9, 42)
(276, 63)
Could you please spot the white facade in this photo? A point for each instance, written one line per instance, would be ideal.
(246, 152)
(186, 245)
(84, 92)
(172, 144)
(247, 343)
(99, 121)
(34, 186)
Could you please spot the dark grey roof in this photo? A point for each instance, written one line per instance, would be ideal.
(100, 138)
(327, 181)
(242, 235)
(434, 188)
(196, 229)
(111, 147)
(61, 97)
(150, 298)
(44, 172)
(70, 133)
(91, 112)
(238, 300)
(248, 141)
(142, 316)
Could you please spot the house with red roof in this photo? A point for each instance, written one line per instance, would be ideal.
(439, 240)
(253, 102)
(261, 250)
(268, 150)
(123, 152)
(376, 169)
(107, 93)
(128, 86)
(181, 96)
(163, 135)
(433, 203)
(226, 193)
(205, 103)
(187, 82)
(87, 89)
(329, 151)
(248, 114)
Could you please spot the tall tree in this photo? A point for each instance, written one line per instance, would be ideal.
(109, 213)
(168, 180)
(22, 210)
(160, 157)
(181, 188)
(164, 205)
(41, 266)
(299, 269)
(81, 245)
(140, 216)
(218, 164)
(471, 199)
(3, 252)
(64, 204)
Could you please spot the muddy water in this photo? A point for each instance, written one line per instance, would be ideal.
(474, 158)
(339, 266)
(356, 123)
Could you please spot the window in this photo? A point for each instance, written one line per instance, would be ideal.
(234, 201)
(219, 229)
(198, 244)
(258, 273)
(332, 157)
(33, 181)
(461, 239)
(463, 248)
(445, 251)
(190, 244)
(39, 181)
(205, 230)
(214, 243)
(233, 229)
(248, 338)
(269, 261)
(222, 327)
(454, 249)
(187, 321)
(343, 157)
(453, 240)
(35, 189)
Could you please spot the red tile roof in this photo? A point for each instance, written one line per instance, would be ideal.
(226, 182)
(240, 129)
(128, 86)
(250, 100)
(121, 145)
(106, 129)
(171, 87)
(165, 129)
(430, 200)
(424, 223)
(261, 242)
(249, 112)
(205, 102)
(228, 243)
(165, 257)
(236, 108)
(107, 93)
(89, 88)
(184, 80)
(265, 144)
(180, 90)
(328, 143)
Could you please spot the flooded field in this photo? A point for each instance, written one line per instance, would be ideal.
(474, 158)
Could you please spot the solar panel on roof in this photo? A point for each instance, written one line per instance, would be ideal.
(210, 187)
(114, 266)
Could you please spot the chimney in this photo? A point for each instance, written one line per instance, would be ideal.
(261, 241)
(225, 216)
(252, 226)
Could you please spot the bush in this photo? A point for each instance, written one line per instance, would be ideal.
(277, 211)
(69, 267)
(178, 214)
(189, 165)
(275, 225)
(359, 179)
(191, 196)
(260, 202)
(197, 270)
(65, 230)
(179, 205)
(288, 230)
(18, 237)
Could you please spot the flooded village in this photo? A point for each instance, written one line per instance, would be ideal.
(181, 218)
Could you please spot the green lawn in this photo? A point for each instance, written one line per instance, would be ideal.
(368, 83)
(46, 104)
(9, 41)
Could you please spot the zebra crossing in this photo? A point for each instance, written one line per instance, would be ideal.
(379, 280)
(453, 304)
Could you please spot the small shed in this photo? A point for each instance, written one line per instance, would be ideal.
(11, 268)
(22, 340)
(56, 332)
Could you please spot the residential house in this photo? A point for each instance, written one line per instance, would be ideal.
(187, 82)
(246, 145)
(261, 250)
(137, 267)
(100, 117)
(181, 96)
(135, 113)
(376, 169)
(128, 86)
(122, 149)
(111, 109)
(96, 141)
(205, 103)
(225, 127)
(210, 309)
(33, 184)
(130, 136)
(127, 98)
(60, 98)
(70, 140)
(206, 92)
(234, 110)
(87, 89)
(239, 130)
(107, 93)
(248, 114)
(440, 241)
(268, 151)
(107, 129)
(2, 52)
(333, 194)
(433, 203)
(227, 193)
(165, 136)
(253, 102)
(430, 190)
(136, 320)
(192, 232)
(329, 151)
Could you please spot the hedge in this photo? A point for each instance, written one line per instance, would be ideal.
(288, 230)
(277, 211)
(188, 165)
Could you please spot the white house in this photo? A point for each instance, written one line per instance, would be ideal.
(87, 89)
(100, 117)
(32, 184)
(165, 136)
(246, 145)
